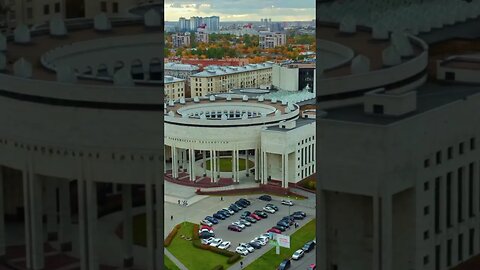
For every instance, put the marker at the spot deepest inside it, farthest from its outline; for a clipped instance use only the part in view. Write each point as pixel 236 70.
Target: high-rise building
pixel 182 24
pixel 181 39
pixel 201 36
pixel 195 22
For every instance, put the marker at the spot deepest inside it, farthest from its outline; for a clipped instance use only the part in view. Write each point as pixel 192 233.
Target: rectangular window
pixel 57 7
pixel 29 13
pixel 471 241
pixel 449 252
pixel 46 9
pixel 470 190
pixel 115 7
pixel 460 194
pixel 426 163
pixel 426 186
pixel 426 211
pixel 472 143
pixel 425 260
pixel 449 199
pixel 450 152
pixel 439 157
pixel 378 109
pixel 103 6
pixel 438 257
pixel 426 235
pixel 461 148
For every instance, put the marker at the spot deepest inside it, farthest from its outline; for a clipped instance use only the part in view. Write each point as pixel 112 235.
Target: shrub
pixel 234 258
pixel 195 235
pixel 218 267
pixel 171 235
pixel 223 252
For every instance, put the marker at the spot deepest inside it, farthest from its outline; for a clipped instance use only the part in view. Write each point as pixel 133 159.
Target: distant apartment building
pixel 181 39
pixel 174 88
pixel 179 70
pixel 195 22
pixel 217 79
pixel 294 76
pixel 211 23
pixel 201 36
pixel 201 63
pixel 272 39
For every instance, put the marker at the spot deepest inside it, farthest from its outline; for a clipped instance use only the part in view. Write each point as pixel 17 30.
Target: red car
pixel 312 267
pixel 255 216
pixel 206 227
pixel 274 230
pixel 234 228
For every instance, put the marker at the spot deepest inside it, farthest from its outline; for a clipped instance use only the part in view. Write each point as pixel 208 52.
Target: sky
pixel 242 10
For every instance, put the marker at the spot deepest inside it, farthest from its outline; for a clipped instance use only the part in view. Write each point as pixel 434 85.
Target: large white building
pixel 295 76
pixel 271 39
pixel 277 138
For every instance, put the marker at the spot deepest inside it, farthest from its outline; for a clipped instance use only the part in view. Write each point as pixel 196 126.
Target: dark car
pixel 205 235
pixel 308 246
pixel 234 228
pixel 234 208
pixel 250 219
pixel 281 228
pixel 245 201
pixel 261 214
pixel 283 224
pixel 240 205
pixel 285 264
pixel 245 214
pixel 289 219
pixel 219 216
pixel 273 206
pixel 265 198
pixel 300 213
pixel 212 219
pixel 297 216
pixel 255 244
pixel 224 212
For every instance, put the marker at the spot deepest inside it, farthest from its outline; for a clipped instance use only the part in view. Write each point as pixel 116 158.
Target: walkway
pixel 174 259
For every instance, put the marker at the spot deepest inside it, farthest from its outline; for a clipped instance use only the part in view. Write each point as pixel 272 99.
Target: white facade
pixel 181 39
pixel 174 88
pixel 272 39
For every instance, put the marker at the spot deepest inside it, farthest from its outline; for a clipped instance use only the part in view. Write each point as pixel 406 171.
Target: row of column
pixel 284 173
pixel 180 158
pixel 59 226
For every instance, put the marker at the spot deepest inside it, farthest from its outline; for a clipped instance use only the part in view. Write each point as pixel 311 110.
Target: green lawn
pixel 270 259
pixel 169 265
pixel 226 164
pixel 194 258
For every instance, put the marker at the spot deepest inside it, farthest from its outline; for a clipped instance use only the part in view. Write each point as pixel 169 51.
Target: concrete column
pixel 376 233
pixel 2 216
pixel 286 171
pixel 150 227
pixel 51 208
pixel 27 217
pixel 237 164
pixel 65 227
pixel 82 224
pixel 386 217
pixel 92 216
pixel 256 164
pixel 204 162
pixel 215 172
pixel 246 163
pixel 174 162
pixel 212 174
pixel 234 176
pixel 127 225
pixel 265 168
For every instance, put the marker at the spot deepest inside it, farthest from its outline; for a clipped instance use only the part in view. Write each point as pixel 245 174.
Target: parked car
pixel 265 198
pixel 245 214
pixel 287 202
pixel 297 255
pixel 238 224
pixel 273 206
pixel 207 241
pixel 283 224
pixel 297 216
pixel 264 238
pixel 216 242
pixel 206 222
pixel 280 228
pixel 300 213
pixel 261 214
pixel 245 222
pixel 219 216
pixel 255 216
pixel 268 209
pixel 205 235
pixel 234 228
pixel 308 246
pixel 206 227
pixel 312 267
pixel 224 245
pixel 204 230
pixel 248 247
pixel 289 219
pixel 260 240
pixel 255 244
pixel 211 219
pixel 284 265
pixel 250 219
pixel 242 251
pixel 245 201
pixel 241 203
pixel 231 212
pixel 233 208
pixel 274 230
pixel 225 213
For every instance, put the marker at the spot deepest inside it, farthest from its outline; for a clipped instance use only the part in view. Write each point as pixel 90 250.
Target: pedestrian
pixel 241 265
pixel 221 198
pixel 171 217
pixel 178 202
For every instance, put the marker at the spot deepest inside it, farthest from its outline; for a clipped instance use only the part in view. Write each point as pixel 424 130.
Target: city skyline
pixel 249 10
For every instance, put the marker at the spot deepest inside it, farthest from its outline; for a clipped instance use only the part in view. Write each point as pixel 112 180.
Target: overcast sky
pixel 242 10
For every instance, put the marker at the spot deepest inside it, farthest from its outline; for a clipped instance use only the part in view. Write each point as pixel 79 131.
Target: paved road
pixel 304 262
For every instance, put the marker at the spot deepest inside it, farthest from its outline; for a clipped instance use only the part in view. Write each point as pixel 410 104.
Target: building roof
pixel 300 122
pixel 429 97
pixel 171 79
pixel 180 66
pixel 212 71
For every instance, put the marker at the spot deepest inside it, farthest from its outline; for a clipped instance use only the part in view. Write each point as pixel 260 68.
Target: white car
pixel 260 240
pixel 229 211
pixel 298 254
pixel 247 247
pixel 204 230
pixel 264 238
pixel 287 202
pixel 237 223
pixel 241 250
pixel 268 209
pixel 224 245
pixel 206 222
pixel 245 222
pixel 215 242
pixel 207 241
